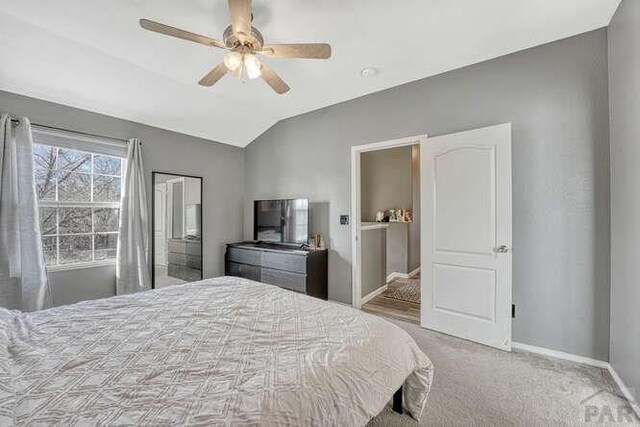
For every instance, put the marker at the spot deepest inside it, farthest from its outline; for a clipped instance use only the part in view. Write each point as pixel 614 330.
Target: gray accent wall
pixel 374 254
pixel 624 86
pixel 397 248
pixel 385 181
pixel 555 96
pixel 221 166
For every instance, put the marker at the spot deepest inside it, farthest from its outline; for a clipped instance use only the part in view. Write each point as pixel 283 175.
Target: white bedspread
pixel 223 351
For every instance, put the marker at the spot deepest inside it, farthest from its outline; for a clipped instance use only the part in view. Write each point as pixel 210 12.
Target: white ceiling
pixel 93 55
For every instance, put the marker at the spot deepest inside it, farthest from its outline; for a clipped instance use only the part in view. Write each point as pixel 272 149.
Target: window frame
pixel 94 146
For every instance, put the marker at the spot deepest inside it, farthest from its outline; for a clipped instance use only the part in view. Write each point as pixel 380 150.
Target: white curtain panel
pixel 23 276
pixel 132 266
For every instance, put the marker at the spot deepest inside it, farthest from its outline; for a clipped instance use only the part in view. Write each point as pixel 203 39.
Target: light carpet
pixel 480 385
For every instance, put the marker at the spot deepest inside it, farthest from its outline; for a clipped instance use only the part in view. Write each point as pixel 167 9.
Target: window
pixel 79 202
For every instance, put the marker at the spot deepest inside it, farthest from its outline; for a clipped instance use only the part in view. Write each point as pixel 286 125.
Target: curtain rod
pixel 17 123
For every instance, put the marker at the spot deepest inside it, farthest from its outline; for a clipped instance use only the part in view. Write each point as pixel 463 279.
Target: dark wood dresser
pixel 293 268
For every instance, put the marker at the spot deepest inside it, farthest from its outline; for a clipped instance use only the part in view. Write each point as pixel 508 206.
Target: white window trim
pixel 78 141
pixel 80 266
pixel 91 145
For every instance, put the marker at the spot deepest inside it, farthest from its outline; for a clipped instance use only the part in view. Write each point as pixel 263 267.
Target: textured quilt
pixel 223 351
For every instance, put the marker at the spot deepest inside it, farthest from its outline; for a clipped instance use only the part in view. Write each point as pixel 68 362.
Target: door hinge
pixel 513 311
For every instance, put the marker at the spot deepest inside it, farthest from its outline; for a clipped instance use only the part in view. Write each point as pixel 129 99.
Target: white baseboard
pixel 586 361
pixel 625 390
pixel 365 299
pixel 560 355
pixel 396 275
pixel 339 302
pixel 391 277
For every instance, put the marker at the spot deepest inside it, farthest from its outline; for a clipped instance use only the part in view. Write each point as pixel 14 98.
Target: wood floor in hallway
pixel 386 306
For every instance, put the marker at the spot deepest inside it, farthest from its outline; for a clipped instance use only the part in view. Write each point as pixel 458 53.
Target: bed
pixel 219 351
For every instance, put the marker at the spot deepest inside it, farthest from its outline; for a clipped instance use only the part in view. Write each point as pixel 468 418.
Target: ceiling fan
pixel 243 42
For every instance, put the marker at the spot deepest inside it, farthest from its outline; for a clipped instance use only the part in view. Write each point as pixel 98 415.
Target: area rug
pixel 409 292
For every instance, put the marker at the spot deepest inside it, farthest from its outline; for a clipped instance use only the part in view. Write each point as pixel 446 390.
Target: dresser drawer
pixel 244 256
pixel 294 263
pixel 250 272
pixel 185 273
pixel 292 281
pixel 232 269
pixel 288 267
pixel 194 261
pixel 194 248
pixel 176 258
pixel 179 246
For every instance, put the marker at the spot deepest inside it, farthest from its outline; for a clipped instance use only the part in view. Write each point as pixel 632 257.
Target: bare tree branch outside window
pixel 79 198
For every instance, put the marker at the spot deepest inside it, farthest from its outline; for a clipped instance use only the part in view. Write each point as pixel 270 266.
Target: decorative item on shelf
pixel 406 215
pixel 380 216
pixel 400 215
pixel 316 241
pixel 321 244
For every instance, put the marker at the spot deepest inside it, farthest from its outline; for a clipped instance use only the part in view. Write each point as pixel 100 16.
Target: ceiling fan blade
pixel 167 30
pixel 274 80
pixel 300 50
pixel 240 11
pixel 214 75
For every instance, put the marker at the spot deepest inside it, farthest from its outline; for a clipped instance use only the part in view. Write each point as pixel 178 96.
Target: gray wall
pixel 221 166
pixel 624 81
pixel 556 98
pixel 374 254
pixel 69 286
pixel 397 248
pixel 385 181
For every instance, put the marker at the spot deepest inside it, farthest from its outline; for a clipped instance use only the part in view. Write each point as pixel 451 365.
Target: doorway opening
pixel 465 215
pixel 387 222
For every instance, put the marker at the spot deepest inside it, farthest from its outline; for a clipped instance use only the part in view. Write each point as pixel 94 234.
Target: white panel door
pixel 466 235
pixel 160 224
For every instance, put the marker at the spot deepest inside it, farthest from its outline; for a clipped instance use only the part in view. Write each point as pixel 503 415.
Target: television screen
pixel 281 221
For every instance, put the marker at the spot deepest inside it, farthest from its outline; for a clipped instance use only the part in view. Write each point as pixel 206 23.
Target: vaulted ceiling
pixel 93 55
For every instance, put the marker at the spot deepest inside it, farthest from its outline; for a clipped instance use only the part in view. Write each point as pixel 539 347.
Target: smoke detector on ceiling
pixel 368 72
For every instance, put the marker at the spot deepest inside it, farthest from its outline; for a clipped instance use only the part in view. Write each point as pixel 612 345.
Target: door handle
pixel 502 249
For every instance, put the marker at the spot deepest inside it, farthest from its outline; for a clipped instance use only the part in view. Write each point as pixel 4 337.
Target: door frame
pixel 356 249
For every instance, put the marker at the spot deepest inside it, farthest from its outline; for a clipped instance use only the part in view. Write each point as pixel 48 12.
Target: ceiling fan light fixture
pixel 244 42
pixel 233 60
pixel 253 66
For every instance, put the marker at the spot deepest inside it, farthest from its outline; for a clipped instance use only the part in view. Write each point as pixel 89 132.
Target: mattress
pixel 224 351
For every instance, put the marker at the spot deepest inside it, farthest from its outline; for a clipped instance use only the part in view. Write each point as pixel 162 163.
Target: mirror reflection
pixel 177 229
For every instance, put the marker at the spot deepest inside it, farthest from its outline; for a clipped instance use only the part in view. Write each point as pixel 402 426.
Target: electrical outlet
pixel 344 219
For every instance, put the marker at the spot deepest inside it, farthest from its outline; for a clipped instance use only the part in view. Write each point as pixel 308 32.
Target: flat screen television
pixel 281 221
